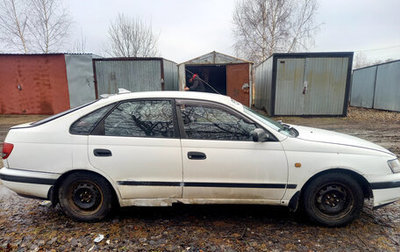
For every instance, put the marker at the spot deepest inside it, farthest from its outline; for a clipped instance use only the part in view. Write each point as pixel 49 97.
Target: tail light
pixel 7 149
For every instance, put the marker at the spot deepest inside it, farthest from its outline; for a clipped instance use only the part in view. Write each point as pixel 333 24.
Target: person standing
pixel 195 84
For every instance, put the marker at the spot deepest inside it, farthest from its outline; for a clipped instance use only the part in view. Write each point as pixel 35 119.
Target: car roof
pixel 171 94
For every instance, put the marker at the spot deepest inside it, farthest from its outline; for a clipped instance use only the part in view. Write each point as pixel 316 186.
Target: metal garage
pixel 134 74
pixel 44 83
pixel 226 75
pixel 304 83
pixel 377 86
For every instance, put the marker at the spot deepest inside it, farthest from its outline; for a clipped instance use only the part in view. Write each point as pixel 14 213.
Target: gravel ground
pixel 27 225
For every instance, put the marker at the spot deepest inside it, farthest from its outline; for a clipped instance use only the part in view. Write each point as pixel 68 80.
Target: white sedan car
pixel 160 148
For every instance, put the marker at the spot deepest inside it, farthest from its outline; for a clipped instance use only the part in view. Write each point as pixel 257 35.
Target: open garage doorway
pixel 214 75
pixel 226 74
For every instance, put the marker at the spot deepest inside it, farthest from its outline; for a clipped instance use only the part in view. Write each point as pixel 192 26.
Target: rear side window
pixel 86 123
pixel 142 118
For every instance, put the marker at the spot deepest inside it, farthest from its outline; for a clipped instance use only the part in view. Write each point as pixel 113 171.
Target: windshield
pixel 284 129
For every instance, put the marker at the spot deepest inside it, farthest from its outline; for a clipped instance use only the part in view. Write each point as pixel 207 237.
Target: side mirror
pixel 260 135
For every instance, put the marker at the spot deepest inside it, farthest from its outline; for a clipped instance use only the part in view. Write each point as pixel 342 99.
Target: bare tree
pixel 33 25
pixel 262 27
pixel 130 37
pixel 79 45
pixel 381 61
pixel 360 60
pixel 13 25
pixel 49 25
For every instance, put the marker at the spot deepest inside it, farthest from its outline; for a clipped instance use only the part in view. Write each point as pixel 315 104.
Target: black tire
pixel 85 197
pixel 333 199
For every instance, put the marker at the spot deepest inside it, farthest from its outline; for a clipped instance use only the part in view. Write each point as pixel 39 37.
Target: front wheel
pixel 333 199
pixel 85 197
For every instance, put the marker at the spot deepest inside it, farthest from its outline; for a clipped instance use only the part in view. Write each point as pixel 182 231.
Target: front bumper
pixel 28 183
pixel 386 189
pixel 383 197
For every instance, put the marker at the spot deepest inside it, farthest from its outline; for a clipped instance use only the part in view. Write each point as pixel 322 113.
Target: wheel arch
pixel 53 192
pixel 365 186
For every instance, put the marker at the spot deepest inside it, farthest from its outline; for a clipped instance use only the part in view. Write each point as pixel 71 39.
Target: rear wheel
pixel 85 197
pixel 333 199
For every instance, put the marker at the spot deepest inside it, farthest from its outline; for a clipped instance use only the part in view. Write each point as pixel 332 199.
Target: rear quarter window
pixel 85 124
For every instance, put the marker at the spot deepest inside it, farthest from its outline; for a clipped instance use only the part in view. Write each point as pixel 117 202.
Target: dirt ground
pixel 27 225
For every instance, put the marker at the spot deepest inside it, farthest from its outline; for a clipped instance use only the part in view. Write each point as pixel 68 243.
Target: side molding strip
pixel 29 180
pixel 206 184
pixel 148 183
pixel 385 185
pixel 45 181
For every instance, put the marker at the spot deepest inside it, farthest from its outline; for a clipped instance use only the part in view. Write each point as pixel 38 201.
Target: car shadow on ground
pixel 181 212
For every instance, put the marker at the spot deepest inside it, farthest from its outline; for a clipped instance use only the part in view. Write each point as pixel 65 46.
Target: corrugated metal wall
pixel 326 78
pixel 80 79
pixel 182 76
pixel 170 75
pixel 377 87
pixel 289 87
pixel 304 84
pixel 134 75
pixel 263 81
pixel 387 92
pixel 363 87
pixel 33 84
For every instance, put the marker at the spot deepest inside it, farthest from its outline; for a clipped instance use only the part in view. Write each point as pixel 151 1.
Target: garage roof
pixel 215 58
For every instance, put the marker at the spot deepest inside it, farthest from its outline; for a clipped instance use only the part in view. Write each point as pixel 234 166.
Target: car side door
pixel 221 162
pixel 137 144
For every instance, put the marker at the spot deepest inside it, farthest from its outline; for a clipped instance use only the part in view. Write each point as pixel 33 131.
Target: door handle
pixel 102 153
pixel 196 155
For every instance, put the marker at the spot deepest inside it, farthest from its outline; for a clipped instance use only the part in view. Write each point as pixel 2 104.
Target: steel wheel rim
pixel 334 199
pixel 85 197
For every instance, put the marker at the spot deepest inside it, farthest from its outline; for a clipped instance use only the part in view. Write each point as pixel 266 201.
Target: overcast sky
pixel 190 28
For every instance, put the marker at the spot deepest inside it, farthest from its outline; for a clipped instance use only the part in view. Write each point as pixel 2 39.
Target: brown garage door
pixel 237 78
pixel 33 84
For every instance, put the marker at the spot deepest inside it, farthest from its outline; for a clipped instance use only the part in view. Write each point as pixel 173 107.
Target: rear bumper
pixel 28 183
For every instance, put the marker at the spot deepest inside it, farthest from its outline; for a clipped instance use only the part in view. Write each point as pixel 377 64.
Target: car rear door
pixel 137 145
pixel 220 160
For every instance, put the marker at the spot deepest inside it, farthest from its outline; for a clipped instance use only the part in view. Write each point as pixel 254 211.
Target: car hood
pixel 326 136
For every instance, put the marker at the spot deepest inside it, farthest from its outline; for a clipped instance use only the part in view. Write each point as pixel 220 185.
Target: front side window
pixel 208 122
pixel 143 118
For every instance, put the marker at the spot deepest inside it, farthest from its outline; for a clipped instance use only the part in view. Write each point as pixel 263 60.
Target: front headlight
pixel 394 165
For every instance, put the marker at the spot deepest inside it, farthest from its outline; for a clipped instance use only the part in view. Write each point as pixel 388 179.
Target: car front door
pixel 137 144
pixel 220 160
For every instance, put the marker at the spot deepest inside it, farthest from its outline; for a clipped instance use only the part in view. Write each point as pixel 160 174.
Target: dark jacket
pixel 196 85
